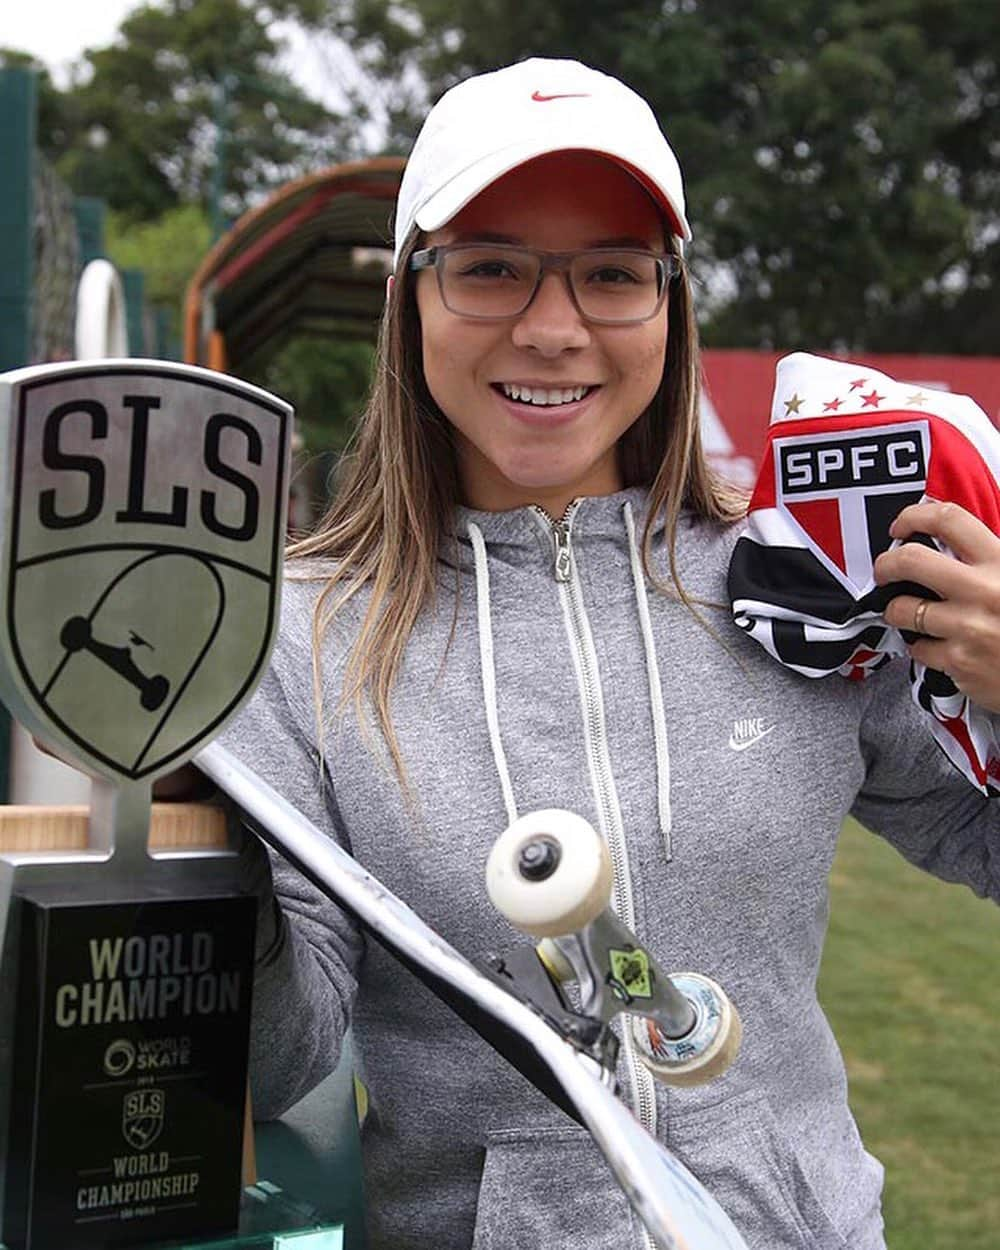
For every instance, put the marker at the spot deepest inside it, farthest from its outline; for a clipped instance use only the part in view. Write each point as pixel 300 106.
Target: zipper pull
pixel 560 532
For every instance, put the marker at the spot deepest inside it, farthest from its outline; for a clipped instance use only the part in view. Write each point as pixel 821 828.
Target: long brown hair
pixel 398 485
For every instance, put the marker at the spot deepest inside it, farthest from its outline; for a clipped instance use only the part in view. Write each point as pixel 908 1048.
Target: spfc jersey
pixel 848 448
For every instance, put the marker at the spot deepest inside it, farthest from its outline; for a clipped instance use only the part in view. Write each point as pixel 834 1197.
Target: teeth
pixel 543 396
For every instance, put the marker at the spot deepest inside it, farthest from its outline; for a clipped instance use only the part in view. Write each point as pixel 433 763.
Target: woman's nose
pixel 552 322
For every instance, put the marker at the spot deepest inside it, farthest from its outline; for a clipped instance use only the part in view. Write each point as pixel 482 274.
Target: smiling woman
pixel 540 396
pixel 522 580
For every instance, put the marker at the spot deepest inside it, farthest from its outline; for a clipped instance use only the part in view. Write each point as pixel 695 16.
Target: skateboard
pixel 549 874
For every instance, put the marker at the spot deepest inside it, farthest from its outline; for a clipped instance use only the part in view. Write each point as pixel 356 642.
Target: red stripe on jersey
pixel 959 730
pixel 957 473
pixel 765 493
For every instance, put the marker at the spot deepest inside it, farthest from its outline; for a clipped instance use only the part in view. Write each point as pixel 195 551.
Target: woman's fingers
pixel 914 614
pixel 960 531
pixel 914 562
pixel 960 631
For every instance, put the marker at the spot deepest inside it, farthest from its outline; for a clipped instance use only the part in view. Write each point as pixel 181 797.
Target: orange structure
pixel 312 259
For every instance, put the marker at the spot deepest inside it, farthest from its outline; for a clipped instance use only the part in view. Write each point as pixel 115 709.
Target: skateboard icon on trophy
pixel 128 632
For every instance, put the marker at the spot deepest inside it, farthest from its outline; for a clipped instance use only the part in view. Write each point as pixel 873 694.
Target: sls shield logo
pixel 842 491
pixel 144 523
pixel 142 1117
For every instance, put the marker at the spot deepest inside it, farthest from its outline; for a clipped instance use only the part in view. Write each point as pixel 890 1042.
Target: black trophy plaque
pixel 131 1043
pixel 142 520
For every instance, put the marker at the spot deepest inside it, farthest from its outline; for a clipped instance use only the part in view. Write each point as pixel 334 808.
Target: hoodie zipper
pixel 570 590
pixel 560 532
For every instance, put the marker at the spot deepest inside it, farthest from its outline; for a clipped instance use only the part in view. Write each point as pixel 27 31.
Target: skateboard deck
pixel 678 1212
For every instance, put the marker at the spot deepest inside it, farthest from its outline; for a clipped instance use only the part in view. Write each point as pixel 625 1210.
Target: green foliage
pixel 326 381
pixel 840 158
pixel 167 250
pixel 188 89
pixel 909 983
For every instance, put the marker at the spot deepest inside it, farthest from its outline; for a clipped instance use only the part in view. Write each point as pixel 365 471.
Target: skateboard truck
pixel 550 874
pixel 77 635
pixel 524 973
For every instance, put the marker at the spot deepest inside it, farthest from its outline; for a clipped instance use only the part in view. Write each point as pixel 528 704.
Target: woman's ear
pixel 389 282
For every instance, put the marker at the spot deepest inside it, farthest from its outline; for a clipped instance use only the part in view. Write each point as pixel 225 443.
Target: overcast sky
pixel 57 31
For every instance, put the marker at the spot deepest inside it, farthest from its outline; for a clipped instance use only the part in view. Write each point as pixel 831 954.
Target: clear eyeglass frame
pixel 668 264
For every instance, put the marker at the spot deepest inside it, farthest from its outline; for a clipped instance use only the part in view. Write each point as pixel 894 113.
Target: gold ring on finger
pixel 919 615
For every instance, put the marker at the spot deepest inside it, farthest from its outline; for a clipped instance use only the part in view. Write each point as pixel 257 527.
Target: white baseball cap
pixel 486 126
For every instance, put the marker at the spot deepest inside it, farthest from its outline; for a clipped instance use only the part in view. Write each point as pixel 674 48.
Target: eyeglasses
pixel 493 281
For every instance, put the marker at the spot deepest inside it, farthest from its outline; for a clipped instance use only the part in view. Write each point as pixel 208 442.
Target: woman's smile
pixel 547 404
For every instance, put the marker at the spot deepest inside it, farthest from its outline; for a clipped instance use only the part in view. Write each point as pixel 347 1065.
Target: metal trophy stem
pixel 142 530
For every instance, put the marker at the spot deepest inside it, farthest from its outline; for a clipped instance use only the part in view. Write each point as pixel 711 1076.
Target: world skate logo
pixel 144 527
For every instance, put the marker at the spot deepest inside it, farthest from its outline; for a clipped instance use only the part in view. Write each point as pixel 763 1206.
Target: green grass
pixel 911 983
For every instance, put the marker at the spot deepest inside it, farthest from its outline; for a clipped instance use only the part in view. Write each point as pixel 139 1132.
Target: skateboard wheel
pixel 75 634
pixel 154 692
pixel 549 873
pixel 706 1050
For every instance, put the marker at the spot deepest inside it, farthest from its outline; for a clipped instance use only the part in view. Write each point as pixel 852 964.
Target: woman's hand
pixel 184 785
pixel 963 629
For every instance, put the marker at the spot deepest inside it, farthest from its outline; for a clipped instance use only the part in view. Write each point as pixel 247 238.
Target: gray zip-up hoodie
pixel 719 779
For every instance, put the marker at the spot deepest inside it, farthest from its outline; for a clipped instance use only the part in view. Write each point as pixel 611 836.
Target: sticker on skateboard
pixel 629 976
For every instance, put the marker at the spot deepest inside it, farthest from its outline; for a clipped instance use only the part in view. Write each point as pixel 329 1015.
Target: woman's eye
pixel 489 269
pixel 612 275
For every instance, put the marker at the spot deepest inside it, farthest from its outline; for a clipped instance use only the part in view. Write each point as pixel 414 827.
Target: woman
pixel 515 602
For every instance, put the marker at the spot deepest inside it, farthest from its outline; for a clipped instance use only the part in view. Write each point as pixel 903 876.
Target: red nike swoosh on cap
pixel 567 95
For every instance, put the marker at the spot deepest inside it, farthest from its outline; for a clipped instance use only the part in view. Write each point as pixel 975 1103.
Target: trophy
pixel 140 554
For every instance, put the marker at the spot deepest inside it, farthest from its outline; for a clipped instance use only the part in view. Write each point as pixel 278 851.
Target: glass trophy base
pixel 270 1219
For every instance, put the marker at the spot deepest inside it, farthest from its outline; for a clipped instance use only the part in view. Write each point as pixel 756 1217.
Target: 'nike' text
pixel 747 731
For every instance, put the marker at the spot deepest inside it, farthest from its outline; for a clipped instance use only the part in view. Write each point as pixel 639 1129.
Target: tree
pixel 188 82
pixel 138 127
pixel 326 380
pixel 840 157
pixel 167 250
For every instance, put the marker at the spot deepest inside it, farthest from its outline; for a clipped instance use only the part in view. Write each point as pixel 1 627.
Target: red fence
pixel 738 386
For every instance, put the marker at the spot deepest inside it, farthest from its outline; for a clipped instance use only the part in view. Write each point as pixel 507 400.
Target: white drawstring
pixel 488 671
pixel 487 667
pixel 655 690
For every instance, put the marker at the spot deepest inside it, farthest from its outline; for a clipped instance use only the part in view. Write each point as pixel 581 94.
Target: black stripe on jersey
pixel 793 578
pixel 935 685
pixel 881 511
pixel 793 647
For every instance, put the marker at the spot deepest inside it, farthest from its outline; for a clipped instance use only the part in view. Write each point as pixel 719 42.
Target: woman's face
pixel 512 452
